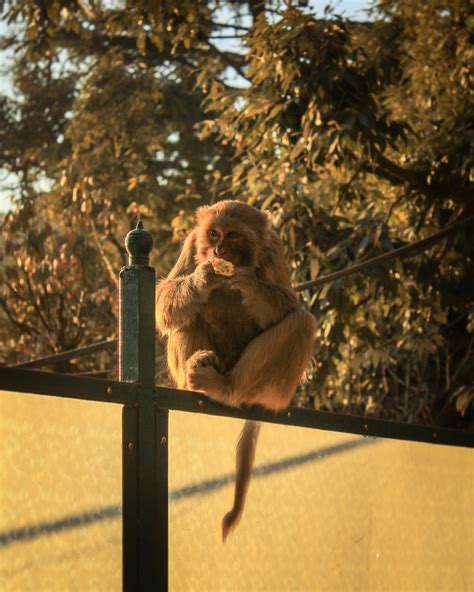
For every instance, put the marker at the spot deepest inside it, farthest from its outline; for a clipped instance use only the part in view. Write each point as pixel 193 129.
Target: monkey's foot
pixel 209 381
pixel 203 358
pixel 203 368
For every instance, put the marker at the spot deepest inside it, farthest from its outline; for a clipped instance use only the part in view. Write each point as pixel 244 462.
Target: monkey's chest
pixel 228 323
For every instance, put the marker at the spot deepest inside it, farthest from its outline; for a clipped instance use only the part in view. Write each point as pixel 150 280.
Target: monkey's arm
pixel 268 303
pixel 267 293
pixel 178 299
pixel 176 303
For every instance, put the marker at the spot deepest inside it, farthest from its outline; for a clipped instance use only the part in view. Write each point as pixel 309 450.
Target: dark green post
pixel 144 428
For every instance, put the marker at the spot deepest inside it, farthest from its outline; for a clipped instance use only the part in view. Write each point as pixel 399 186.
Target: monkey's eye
pixel 232 234
pixel 213 233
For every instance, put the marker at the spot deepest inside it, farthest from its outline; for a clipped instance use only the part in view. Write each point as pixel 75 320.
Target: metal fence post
pixel 144 428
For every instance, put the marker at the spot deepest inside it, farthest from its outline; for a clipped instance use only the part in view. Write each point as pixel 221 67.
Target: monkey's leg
pixel 269 369
pixel 183 345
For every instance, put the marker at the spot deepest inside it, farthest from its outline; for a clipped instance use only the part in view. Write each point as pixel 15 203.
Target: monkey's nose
pixel 219 251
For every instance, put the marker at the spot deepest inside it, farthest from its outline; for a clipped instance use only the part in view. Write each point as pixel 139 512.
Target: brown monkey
pixel 241 339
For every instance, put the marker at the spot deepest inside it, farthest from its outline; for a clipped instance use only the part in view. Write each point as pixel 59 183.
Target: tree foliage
pixel 355 135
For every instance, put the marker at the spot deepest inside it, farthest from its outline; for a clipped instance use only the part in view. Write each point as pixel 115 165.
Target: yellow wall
pixel 382 516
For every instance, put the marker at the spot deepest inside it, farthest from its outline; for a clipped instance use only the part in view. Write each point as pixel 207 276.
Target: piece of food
pixel 222 267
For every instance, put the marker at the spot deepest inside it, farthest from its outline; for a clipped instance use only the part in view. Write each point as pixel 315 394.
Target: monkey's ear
pixel 269 219
pixel 200 214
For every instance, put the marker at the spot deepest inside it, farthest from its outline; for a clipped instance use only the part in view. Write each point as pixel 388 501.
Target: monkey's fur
pixel 242 339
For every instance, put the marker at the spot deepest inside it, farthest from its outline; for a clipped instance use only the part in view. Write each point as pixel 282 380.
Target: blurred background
pixel 350 122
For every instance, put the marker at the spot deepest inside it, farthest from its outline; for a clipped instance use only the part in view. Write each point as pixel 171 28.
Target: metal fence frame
pixel 145 420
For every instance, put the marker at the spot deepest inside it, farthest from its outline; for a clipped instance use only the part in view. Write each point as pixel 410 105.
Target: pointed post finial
pixel 139 243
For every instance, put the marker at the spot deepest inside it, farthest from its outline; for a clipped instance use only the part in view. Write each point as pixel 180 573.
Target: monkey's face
pixel 231 230
pixel 232 243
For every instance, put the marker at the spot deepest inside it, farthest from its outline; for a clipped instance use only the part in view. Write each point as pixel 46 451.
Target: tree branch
pixel 398 175
pixel 103 257
pixel 229 26
pixel 257 8
pixel 22 326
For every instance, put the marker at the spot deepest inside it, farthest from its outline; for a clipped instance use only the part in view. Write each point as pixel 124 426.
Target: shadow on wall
pixel 201 488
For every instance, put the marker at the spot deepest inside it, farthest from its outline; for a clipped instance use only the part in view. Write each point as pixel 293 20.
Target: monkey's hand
pixel 244 279
pixel 268 303
pixel 205 279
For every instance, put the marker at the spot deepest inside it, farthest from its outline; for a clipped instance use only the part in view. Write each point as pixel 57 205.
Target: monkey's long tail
pixel 245 456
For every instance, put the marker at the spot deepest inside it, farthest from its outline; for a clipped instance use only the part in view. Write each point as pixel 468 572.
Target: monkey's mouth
pixel 237 259
pixel 221 253
pixel 226 255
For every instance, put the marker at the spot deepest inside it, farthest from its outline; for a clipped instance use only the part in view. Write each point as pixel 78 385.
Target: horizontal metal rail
pixel 70 354
pixel 67 385
pixel 126 393
pixel 178 400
